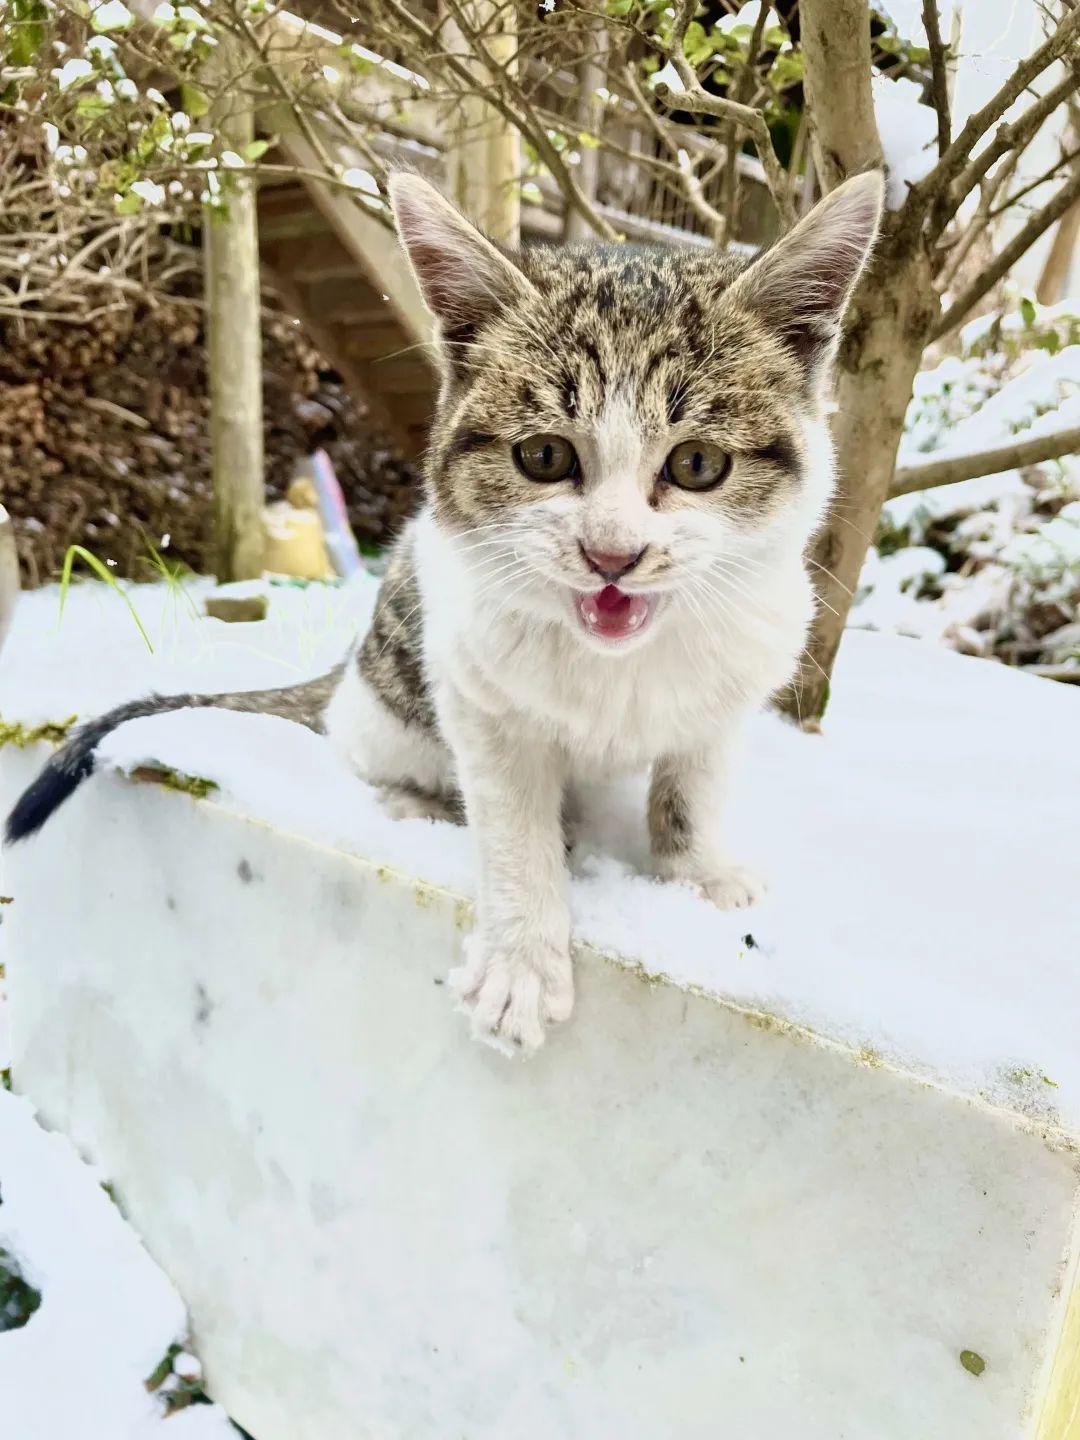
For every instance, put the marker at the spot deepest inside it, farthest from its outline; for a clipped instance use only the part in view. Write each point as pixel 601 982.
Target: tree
pixel 622 111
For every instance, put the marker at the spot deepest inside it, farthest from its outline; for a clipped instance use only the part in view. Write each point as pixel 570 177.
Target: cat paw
pixel 511 997
pixel 734 887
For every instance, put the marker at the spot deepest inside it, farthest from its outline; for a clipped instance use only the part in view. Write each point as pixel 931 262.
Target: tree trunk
pixel 889 324
pixel 234 343
pixel 1055 275
pixel 840 105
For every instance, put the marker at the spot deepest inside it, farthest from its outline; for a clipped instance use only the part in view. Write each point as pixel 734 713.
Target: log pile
pixel 104 437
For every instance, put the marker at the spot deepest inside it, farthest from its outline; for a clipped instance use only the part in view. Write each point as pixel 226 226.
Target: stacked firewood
pixel 104 437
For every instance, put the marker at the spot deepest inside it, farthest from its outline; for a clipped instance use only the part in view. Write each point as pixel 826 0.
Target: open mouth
pixel 612 614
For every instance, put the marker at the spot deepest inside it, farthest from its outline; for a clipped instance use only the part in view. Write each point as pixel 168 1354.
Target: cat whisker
pixel 826 571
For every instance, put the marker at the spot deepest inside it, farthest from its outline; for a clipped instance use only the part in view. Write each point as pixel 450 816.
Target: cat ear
pixel 463 277
pixel 801 286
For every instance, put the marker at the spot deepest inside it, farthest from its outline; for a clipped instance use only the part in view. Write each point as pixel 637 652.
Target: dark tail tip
pixel 60 778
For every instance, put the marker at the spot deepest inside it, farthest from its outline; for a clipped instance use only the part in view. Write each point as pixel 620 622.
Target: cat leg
pixel 686 804
pixel 518 976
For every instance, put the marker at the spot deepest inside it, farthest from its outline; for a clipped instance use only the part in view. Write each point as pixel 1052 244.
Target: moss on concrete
pixel 196 785
pixel 53 732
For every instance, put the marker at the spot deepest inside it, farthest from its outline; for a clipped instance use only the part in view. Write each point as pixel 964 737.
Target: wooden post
pixel 484 155
pixel 592 76
pixel 234 343
pixel 9 574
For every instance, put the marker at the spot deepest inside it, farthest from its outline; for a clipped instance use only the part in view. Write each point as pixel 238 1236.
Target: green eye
pixel 546 457
pixel 696 465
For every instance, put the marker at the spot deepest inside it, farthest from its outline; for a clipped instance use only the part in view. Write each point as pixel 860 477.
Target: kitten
pixel 629 454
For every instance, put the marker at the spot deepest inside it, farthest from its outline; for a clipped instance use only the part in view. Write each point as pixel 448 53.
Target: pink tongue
pixel 612 613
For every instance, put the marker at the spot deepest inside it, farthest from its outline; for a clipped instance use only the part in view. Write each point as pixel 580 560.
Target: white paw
pixel 734 887
pixel 513 994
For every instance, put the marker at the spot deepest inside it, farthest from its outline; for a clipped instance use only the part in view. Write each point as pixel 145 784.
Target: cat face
pixel 624 432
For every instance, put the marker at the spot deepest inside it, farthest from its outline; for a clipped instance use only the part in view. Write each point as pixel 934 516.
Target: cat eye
pixel 546 457
pixel 696 465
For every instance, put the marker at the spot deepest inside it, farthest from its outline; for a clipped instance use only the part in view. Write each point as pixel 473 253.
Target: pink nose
pixel 611 567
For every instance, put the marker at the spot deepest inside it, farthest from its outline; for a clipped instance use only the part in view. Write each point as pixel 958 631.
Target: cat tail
pixel 75 760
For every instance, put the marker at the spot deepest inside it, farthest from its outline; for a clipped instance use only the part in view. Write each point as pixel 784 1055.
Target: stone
pixel 242 609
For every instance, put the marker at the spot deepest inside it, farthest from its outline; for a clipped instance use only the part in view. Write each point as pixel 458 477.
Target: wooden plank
pixel 374 247
pixel 307 259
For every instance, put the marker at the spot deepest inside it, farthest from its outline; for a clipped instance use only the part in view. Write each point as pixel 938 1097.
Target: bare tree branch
pixel 691 185
pixel 950 165
pixel 1021 242
pixel 1063 161
pixel 1009 138
pixel 695 99
pixel 932 24
pixel 1014 456
pixel 535 133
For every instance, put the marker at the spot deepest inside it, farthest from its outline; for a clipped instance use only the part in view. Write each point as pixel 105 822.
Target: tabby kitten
pixel 629 455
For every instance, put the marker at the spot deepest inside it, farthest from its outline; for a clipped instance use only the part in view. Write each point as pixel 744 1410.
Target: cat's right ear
pixel 463 277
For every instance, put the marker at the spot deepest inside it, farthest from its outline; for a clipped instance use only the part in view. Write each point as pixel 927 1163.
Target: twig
pixel 1006 258
pixel 1009 138
pixel 922 195
pixel 109 407
pixel 695 99
pixel 1069 158
pixel 940 82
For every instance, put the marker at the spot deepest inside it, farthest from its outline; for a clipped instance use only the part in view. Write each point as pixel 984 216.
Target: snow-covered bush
pixel 990 565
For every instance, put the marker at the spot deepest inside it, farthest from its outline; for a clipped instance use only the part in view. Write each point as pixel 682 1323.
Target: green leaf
pixel 256 150
pixel 27 34
pixel 619 8
pixel 1027 311
pixel 590 142
pixel 129 204
pixel 92 107
pixel 193 101
pixel 697 46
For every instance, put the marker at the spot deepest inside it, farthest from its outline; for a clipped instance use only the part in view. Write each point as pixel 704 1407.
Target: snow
pixel 922 851
pixel 107 1315
pixel 908 131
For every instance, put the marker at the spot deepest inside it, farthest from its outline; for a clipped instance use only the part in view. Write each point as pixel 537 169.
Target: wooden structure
pixel 338 266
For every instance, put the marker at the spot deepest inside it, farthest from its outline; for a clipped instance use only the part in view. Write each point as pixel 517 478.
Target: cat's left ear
pixel 463 277
pixel 801 286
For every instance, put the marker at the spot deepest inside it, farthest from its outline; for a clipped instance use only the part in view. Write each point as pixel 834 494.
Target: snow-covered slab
pixel 810 1169
pixel 108 1320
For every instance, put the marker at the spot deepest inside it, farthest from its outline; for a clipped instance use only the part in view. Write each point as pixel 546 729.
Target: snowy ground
pixel 108 1321
pixel 102 1355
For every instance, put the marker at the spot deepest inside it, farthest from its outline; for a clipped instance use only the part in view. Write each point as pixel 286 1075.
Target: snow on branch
pixel 1013 456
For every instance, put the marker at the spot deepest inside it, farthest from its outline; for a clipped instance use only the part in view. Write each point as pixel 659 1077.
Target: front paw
pixel 733 888
pixel 512 993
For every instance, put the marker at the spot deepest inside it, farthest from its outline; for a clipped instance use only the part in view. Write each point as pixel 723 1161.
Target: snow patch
pixel 107 1314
